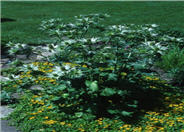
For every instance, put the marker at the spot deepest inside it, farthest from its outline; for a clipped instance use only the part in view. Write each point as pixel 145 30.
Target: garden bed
pixel 94 77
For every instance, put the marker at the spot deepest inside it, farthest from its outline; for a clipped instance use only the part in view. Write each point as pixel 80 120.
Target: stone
pixel 5 111
pixel 4 66
pixel 33 57
pixel 21 57
pixel 5 60
pixel 36 87
pixel 4 78
pixel 6 128
pixel 16 96
pixel 47 54
pixel 39 57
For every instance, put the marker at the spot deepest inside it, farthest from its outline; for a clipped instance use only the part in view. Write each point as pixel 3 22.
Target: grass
pixel 28 16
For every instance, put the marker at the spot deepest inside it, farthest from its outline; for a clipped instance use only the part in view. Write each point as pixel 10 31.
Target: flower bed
pixel 102 83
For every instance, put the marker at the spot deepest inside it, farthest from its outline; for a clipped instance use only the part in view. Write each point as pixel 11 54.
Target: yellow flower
pixel 101 69
pixel 123 73
pixel 52 80
pixel 153 87
pixel 137 129
pixel 106 126
pixel 84 66
pixel 28 72
pixel 166 98
pixel 33 113
pixel 20 81
pixel 46 63
pixel 62 123
pixel 69 124
pixel 39 111
pixel 50 70
pixel 50 64
pixel 156 78
pixel 14 86
pixel 31 118
pixel 46 117
pixel 80 129
pixel 161 129
pixel 100 123
pixel 50 122
pixel 35 96
pixel 100 119
pixel 49 107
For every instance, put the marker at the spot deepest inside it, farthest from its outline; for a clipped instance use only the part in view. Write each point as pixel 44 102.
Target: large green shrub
pixel 109 73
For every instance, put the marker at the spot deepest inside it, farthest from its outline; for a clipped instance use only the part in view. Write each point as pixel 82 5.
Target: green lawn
pixel 28 16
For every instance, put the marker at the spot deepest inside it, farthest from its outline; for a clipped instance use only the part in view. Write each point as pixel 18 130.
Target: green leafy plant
pixel 18 48
pixel 172 59
pixel 173 62
pixel 5 97
pixel 110 67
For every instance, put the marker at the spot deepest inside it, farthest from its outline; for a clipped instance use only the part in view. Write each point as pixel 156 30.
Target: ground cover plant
pixel 97 82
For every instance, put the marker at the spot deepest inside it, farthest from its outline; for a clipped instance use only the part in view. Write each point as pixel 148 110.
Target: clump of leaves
pixel 106 71
pixel 173 62
pixel 18 48
pixel 172 59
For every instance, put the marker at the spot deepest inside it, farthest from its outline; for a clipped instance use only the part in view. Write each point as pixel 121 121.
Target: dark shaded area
pixel 7 20
pixel 4 49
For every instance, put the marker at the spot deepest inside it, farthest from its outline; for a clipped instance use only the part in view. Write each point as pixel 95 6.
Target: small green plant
pixel 5 97
pixel 18 48
pixel 173 62
pixel 172 59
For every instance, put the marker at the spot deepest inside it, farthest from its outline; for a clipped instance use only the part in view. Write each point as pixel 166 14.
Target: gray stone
pixel 39 57
pixel 33 57
pixel 16 96
pixel 36 87
pixel 5 66
pixel 162 74
pixel 4 78
pixel 21 57
pixel 6 128
pixel 47 54
pixel 5 60
pixel 5 111
pixel 27 61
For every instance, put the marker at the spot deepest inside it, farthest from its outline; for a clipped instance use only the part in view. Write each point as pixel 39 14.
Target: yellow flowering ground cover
pixel 41 111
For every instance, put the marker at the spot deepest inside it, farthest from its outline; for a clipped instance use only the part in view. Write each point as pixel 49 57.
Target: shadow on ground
pixel 7 20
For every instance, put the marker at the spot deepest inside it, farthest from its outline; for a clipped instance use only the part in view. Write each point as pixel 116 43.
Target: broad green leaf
pixel 112 76
pixel 108 92
pixel 125 113
pixel 78 114
pixel 113 111
pixel 92 85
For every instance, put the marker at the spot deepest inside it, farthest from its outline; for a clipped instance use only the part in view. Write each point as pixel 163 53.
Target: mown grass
pixel 28 16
